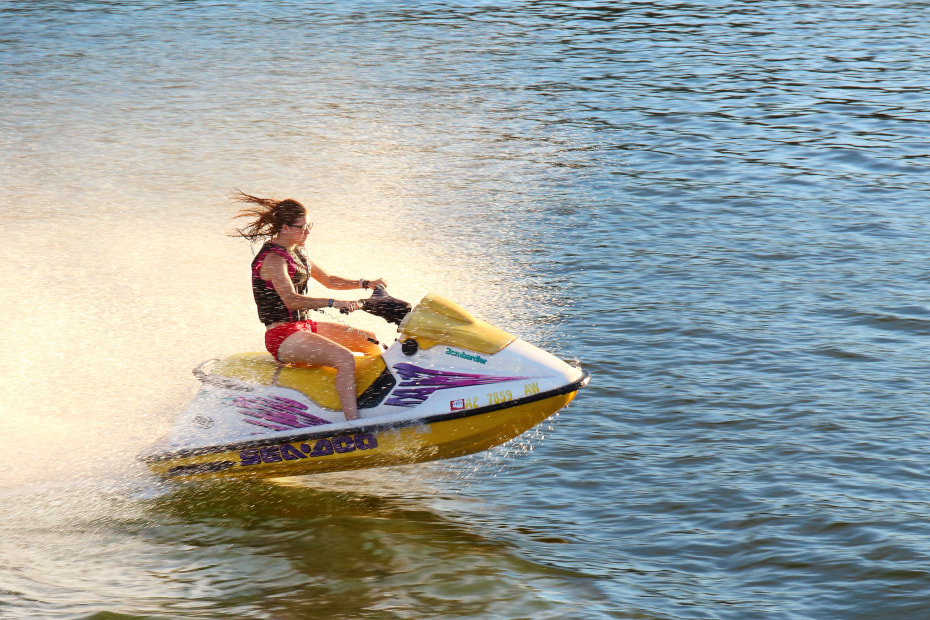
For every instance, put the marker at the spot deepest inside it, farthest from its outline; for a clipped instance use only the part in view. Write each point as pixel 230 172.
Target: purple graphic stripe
pixel 271 416
pixel 275 402
pixel 271 426
pixel 289 414
pixel 285 416
pixel 299 409
pixel 420 383
pixel 278 411
pixel 285 403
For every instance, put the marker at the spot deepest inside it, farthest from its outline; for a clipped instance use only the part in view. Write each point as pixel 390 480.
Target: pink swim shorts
pixel 275 336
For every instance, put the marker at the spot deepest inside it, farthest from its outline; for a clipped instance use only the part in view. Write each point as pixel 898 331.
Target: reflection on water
pixel 259 550
pixel 398 554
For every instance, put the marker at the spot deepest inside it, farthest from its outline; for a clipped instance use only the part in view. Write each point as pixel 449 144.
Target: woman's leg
pixel 310 348
pixel 349 337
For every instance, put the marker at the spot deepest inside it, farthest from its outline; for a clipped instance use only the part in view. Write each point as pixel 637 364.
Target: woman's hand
pixel 347 306
pixel 373 284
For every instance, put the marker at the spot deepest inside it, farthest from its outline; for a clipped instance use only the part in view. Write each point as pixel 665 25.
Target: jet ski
pixel 448 386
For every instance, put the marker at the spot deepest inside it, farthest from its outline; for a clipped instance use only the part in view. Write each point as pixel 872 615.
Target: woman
pixel 280 272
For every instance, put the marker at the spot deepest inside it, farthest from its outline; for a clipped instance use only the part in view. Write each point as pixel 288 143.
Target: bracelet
pixel 363 283
pixel 331 303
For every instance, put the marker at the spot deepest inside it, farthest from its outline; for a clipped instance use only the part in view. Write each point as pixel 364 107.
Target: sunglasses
pixel 305 228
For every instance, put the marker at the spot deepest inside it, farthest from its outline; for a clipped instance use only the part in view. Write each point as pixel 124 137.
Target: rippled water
pixel 718 208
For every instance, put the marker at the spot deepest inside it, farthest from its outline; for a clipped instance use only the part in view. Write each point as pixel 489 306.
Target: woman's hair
pixel 268 215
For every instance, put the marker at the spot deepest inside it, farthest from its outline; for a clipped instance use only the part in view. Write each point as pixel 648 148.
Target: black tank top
pixel 271 308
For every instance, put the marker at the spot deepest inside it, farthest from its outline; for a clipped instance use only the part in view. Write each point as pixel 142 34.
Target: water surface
pixel 717 208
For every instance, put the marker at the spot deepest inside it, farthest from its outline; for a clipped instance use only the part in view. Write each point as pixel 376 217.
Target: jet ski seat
pixel 317 382
pixel 434 321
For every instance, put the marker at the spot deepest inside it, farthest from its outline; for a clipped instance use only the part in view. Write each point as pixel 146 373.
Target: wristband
pixel 331 303
pixel 363 283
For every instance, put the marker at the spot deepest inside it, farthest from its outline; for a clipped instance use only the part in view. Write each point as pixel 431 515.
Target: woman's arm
pixel 341 284
pixel 274 269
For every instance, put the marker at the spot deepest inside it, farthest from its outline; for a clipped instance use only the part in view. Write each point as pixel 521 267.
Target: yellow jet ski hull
pixel 369 445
